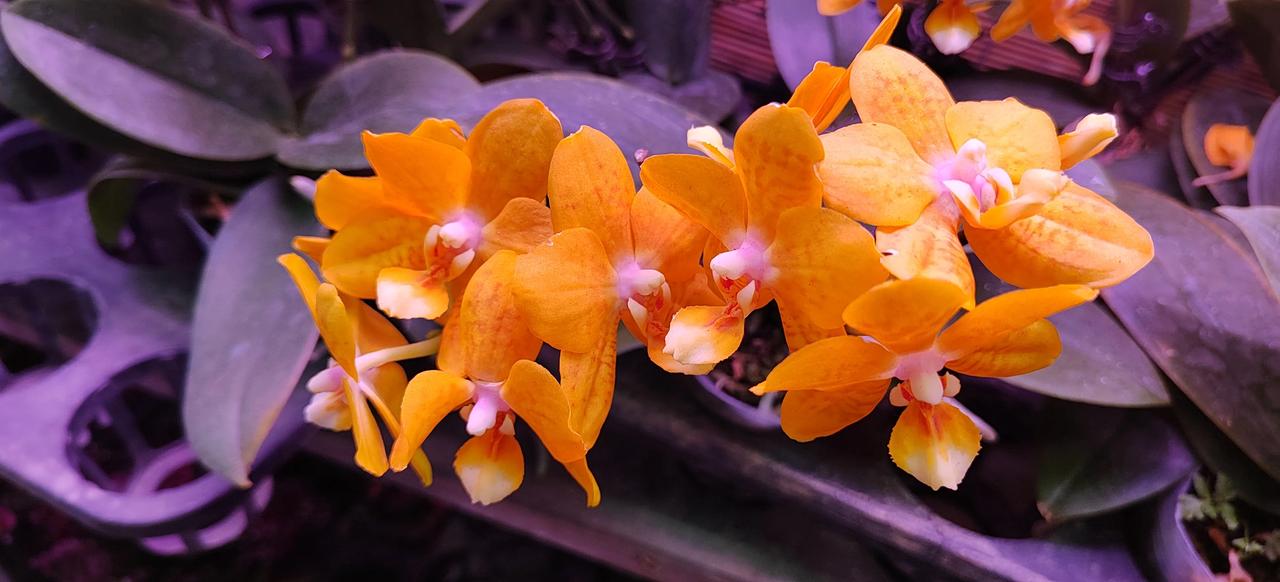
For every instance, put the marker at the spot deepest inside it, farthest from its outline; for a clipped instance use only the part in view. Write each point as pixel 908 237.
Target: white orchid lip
pixel 748 260
pixel 635 282
pixel 921 370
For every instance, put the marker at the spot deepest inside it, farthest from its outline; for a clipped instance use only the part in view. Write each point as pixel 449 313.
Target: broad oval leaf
pixel 153 74
pixel 1213 106
pixel 801 37
pixel 1205 313
pixel 1264 169
pixel 1261 226
pixel 384 92
pixel 251 334
pixel 637 120
pixel 1219 453
pixel 1098 460
pixel 1197 196
pixel 1100 362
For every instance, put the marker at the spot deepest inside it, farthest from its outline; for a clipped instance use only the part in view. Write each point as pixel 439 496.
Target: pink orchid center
pixel 488 404
pixel 741 272
pixel 969 178
pixel 921 379
pixel 451 247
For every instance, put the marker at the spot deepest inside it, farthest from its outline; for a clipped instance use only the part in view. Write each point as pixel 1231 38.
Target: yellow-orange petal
pixel 341 198
pixel 708 140
pixel 408 294
pixel 567 290
pixel 928 248
pixel 994 319
pixel 336 328
pixel 510 151
pixel 821 260
pixel 707 192
pixel 536 398
pixel 800 331
pixel 373 331
pixel 429 397
pixel 831 364
pixel 1018 138
pixel 1037 188
pixel 522 225
pixel 581 473
pixel 1022 351
pixel 588 379
pixel 834 7
pixel 445 131
pixel 312 246
pixel 934 443
pixel 591 187
pixel 495 332
pixel 704 334
pixel 665 239
pixel 371 453
pixel 1091 135
pixel 1019 14
pixel 810 414
pixel 905 315
pixel 303 278
pixel 776 150
pixel 424 175
pixel 952 26
pixel 1078 237
pixel 490 466
pixel 891 86
pixel 823 94
pixel 872 174
pixel 359 252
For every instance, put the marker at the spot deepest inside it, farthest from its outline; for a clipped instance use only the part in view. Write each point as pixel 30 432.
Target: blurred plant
pixel 1227 145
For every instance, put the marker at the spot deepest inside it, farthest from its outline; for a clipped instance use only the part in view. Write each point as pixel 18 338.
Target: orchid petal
pixel 568 291
pixel 361 250
pixel 495 334
pixel 930 248
pixel 1018 138
pixel 510 150
pixel 891 86
pixel 934 443
pixel 822 260
pixel 776 149
pixel 707 192
pixel 1023 351
pixel 591 187
pixel 994 319
pixel 490 466
pixel 428 399
pixel 426 176
pixel 907 315
pixel 872 174
pixel 837 363
pixel 810 414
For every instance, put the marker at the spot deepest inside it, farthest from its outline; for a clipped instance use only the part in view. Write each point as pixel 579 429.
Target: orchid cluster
pixel 953 25
pixel 514 236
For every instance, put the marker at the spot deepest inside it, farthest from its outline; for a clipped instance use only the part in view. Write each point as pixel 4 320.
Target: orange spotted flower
pixel 439 205
pixel 771 239
pixel 487 370
pixel 364 347
pixel 920 163
pixel 834 382
pixel 1051 20
pixel 617 255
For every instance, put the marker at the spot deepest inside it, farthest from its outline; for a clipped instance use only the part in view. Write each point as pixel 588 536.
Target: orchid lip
pixel 488 405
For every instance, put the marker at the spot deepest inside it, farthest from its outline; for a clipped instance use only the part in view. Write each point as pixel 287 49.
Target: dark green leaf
pixel 1098 460
pixel 635 119
pixel 251 336
pixel 1261 226
pixel 384 92
pixel 1205 313
pixel 153 74
pixel 1209 107
pixel 1100 362
pixel 1264 169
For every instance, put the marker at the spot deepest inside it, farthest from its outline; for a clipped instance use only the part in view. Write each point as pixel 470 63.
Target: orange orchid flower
pixel 834 382
pixel 1230 146
pixel 617 255
pixel 439 206
pixel 953 26
pixel 920 163
pixel 364 347
pixel 771 237
pixel 487 370
pixel 1051 20
pixel 836 7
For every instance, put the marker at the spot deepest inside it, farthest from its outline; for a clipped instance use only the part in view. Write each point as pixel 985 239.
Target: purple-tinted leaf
pixel 1163 542
pixel 1261 226
pixel 1257 24
pixel 676 35
pixel 383 92
pixel 1264 169
pixel 251 335
pixel 1197 196
pixel 714 95
pixel 1226 106
pixel 1219 453
pixel 1100 362
pixel 801 37
pixel 153 74
pixel 1091 175
pixel 1101 459
pixel 1205 313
